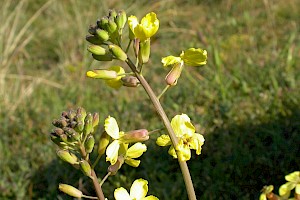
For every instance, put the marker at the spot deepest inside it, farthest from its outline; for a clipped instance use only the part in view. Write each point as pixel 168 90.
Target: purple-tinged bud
pixel 58 131
pixel 70 190
pixel 92 29
pixel 174 74
pixel 113 169
pixel 135 136
pixel 59 123
pixel 130 81
pixel 86 168
pixel 67 156
pixel 117 52
pixel 81 114
pixel 88 124
pixel 71 114
pixel 136 46
pixel 95 119
pixel 93 39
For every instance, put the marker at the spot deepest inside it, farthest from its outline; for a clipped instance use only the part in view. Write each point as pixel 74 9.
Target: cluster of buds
pixel 74 136
pixel 107 29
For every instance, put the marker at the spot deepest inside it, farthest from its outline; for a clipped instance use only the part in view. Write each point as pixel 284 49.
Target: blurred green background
pixel 245 100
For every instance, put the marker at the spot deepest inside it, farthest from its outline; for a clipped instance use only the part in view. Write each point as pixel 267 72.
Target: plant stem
pixel 89 197
pixel 183 165
pixel 105 177
pixel 97 186
pixel 163 92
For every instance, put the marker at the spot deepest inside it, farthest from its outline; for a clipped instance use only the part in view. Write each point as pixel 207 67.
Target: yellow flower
pixel 112 75
pixel 146 29
pixel 293 182
pixel 138 191
pixel 119 146
pixel 187 138
pixel 267 190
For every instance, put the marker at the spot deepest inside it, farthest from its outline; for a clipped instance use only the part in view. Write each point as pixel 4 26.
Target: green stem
pixel 183 165
pixel 163 92
pixel 127 48
pixel 96 161
pixel 105 177
pixel 89 197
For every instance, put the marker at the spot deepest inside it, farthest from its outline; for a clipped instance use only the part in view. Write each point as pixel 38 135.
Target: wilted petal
pixel 183 152
pixel 172 152
pixel 194 57
pixel 163 140
pixel 121 194
pixel 136 150
pixel 112 152
pixel 139 189
pixel 182 125
pixel 170 61
pixel 196 143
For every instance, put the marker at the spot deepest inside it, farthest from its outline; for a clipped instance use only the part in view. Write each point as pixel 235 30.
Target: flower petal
pixel 297 190
pixel 132 162
pixel 139 189
pixel 116 83
pixel 293 177
pixel 111 127
pixel 132 22
pixel 112 152
pixel 172 152
pixel 151 197
pixel 194 57
pixel 196 142
pixel 285 190
pixel 263 197
pixel 183 151
pixel 171 60
pixel 136 150
pixel 121 194
pixel 163 140
pixel 182 125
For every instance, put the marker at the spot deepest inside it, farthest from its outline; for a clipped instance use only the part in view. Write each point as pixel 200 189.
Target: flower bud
pixel 70 190
pixel 80 114
pixel 72 133
pixel 112 13
pixel 79 127
pixel 130 81
pixel 86 168
pixel 102 34
pixel 71 114
pixel 103 22
pixel 89 144
pixel 174 74
pixel 110 27
pixel 58 131
pixel 121 19
pixel 93 39
pixel 144 51
pixel 92 29
pixel 59 123
pixel 95 119
pixel 135 136
pixel 107 57
pixel 67 156
pixel 103 143
pixel 102 74
pixel 88 124
pixel 97 50
pixel 117 52
pixel 56 140
pixel 113 169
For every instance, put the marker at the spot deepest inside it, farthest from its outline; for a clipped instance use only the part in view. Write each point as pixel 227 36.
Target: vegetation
pixel 245 101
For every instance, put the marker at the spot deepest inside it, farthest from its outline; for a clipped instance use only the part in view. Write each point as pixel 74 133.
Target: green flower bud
pixel 102 23
pixel 97 50
pixel 102 74
pixel 144 51
pixel 102 34
pixel 71 114
pixel 135 136
pixel 81 114
pixel 174 74
pixel 130 81
pixel 67 156
pixel 117 52
pixel 103 143
pixel 93 39
pixel 88 124
pixel 79 127
pixel 72 133
pixel 113 169
pixel 70 190
pixel 121 19
pixel 112 13
pixel 111 26
pixel 92 29
pixel 64 138
pixel 89 144
pixel 60 123
pixel 95 119
pixel 86 168
pixel 57 140
pixel 106 57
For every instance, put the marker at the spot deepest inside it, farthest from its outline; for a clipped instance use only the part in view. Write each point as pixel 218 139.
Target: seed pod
pixel 70 190
pixel 97 50
pixel 89 144
pixel 67 156
pixel 86 168
pixel 117 52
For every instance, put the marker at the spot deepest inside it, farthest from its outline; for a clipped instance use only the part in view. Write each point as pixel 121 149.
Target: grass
pixel 245 101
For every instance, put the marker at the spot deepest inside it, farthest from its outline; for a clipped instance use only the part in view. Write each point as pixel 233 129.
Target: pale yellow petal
pixel 284 190
pixel 151 197
pixel 170 61
pixel 112 152
pixel 182 125
pixel 183 153
pixel 172 152
pixel 132 162
pixel 139 189
pixel 136 150
pixel 163 140
pixel 121 194
pixel 297 190
pixel 293 177
pixel 196 142
pixel 111 127
pixel 263 197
